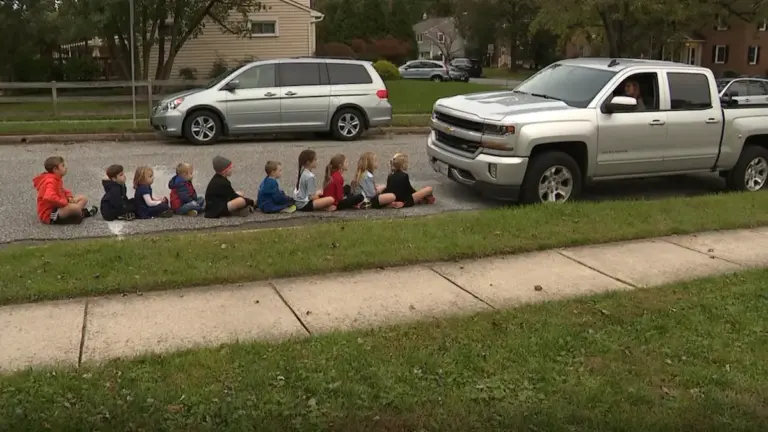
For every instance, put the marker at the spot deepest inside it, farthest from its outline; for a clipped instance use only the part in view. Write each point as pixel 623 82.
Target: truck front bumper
pixel 493 176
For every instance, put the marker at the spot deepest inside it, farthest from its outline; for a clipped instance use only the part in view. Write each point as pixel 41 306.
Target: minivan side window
pixel 262 76
pixel 343 73
pixel 689 91
pixel 299 74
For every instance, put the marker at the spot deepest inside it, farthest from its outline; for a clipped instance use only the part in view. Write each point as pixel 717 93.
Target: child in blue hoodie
pixel 271 198
pixel 184 199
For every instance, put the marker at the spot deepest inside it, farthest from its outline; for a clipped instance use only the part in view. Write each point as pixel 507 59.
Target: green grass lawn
pixel 105 266
pixel 406 96
pixel 56 127
pixel 685 357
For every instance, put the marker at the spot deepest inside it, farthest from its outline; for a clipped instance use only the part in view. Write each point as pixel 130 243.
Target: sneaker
pixel 93 211
pixel 365 205
pixel 192 213
pixel 289 209
pixel 127 217
pixel 166 214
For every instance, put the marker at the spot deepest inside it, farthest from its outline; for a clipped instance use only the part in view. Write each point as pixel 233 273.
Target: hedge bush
pixel 387 70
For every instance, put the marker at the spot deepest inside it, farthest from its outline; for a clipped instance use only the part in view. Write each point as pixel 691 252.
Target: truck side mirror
pixel 620 104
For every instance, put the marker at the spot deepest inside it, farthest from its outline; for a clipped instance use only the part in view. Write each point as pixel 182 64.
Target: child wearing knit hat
pixel 220 198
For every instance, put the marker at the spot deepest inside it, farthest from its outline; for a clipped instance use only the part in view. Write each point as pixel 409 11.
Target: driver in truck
pixel 632 89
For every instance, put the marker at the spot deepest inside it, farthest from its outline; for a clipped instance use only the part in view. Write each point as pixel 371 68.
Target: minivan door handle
pixel 290 93
pixel 657 123
pixel 712 120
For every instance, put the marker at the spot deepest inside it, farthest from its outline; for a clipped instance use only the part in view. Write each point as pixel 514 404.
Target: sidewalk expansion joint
pixel 461 288
pixel 285 302
pixel 706 254
pixel 82 334
pixel 596 270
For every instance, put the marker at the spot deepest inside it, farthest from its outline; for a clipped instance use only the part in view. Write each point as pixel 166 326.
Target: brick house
pixel 729 45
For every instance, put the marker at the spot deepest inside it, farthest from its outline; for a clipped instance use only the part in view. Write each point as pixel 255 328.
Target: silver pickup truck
pixel 593 119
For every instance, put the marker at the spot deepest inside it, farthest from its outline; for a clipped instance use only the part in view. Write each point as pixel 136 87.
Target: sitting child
pixel 55 204
pixel 220 199
pixel 115 204
pixel 148 206
pixel 184 199
pixel 365 184
pixel 271 198
pixel 399 184
pixel 307 197
pixel 333 186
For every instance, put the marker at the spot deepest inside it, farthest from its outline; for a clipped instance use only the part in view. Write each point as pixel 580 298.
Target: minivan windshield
pixel 574 85
pixel 212 83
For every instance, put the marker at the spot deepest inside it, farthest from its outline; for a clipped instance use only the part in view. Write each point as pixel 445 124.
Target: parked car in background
pixel 473 67
pixel 744 91
pixel 458 74
pixel 343 97
pixel 590 119
pixel 425 69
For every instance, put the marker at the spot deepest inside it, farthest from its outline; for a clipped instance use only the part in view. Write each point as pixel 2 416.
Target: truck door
pixel 694 122
pixel 631 143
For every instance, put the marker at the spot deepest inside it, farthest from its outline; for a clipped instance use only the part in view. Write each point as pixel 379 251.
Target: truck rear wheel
pixel 751 171
pixel 552 177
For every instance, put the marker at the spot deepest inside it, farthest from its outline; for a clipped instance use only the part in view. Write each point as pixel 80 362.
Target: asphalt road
pixel 87 162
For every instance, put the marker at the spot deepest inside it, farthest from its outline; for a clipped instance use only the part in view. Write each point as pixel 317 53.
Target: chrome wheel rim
pixel 756 174
pixel 203 128
pixel 556 184
pixel 349 125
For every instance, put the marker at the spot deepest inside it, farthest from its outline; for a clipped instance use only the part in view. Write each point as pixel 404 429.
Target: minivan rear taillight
pixel 382 94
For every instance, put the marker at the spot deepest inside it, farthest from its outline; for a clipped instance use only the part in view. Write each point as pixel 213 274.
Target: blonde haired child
pixel 399 184
pixel 364 184
pixel 147 205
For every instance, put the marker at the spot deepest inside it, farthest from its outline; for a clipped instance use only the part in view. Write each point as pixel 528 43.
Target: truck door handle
pixel 270 94
pixel 657 123
pixel 290 93
pixel 746 100
pixel 712 120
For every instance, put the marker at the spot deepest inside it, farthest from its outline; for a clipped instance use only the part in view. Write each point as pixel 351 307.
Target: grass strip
pixel 682 357
pixel 58 127
pixel 105 266
pixel 406 97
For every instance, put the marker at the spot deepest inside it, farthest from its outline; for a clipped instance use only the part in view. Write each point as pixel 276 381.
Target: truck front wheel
pixel 751 171
pixel 551 177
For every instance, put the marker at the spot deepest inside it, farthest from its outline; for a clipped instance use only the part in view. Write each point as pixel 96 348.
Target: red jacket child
pixel 51 195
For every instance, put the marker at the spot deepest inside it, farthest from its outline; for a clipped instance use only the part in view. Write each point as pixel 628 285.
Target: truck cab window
pixel 689 91
pixel 642 86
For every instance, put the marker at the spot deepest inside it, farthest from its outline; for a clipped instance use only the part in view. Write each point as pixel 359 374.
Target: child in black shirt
pixel 220 199
pixel 399 184
pixel 115 204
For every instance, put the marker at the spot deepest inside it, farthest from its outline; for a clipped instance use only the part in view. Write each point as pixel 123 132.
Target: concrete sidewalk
pixel 97 329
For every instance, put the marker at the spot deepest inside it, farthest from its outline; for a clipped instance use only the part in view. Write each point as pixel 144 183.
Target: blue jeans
pixel 193 205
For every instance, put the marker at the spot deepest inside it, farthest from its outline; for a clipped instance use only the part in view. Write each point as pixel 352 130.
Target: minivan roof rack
pixel 613 63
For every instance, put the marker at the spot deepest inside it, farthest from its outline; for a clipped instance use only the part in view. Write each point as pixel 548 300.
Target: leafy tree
pixel 373 18
pixel 30 34
pixel 162 24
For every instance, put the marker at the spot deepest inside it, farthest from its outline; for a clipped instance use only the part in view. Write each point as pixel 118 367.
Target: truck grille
pixel 457 143
pixel 459 122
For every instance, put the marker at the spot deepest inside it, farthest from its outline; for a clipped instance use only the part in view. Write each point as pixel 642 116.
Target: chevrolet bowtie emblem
pixel 450 129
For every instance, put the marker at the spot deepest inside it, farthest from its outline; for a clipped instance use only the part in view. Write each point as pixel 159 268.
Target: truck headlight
pixel 494 129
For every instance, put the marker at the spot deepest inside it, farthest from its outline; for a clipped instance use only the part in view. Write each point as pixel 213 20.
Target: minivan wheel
pixel 751 171
pixel 347 125
pixel 437 78
pixel 202 128
pixel 552 177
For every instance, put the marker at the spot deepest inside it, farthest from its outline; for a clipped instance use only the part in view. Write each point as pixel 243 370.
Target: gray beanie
pixel 220 163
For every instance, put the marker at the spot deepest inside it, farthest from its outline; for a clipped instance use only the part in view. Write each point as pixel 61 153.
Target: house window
pixel 753 54
pixel 721 54
pixel 264 28
pixel 441 38
pixel 721 23
pixel 420 38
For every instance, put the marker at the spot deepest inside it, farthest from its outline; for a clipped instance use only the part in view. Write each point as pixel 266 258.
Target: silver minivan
pixel 746 91
pixel 343 97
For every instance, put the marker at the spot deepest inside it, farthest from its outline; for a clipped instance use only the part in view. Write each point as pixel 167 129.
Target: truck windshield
pixel 574 85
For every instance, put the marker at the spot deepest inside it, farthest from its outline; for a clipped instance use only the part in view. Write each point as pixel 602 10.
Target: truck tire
pixel 551 177
pixel 750 174
pixel 202 128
